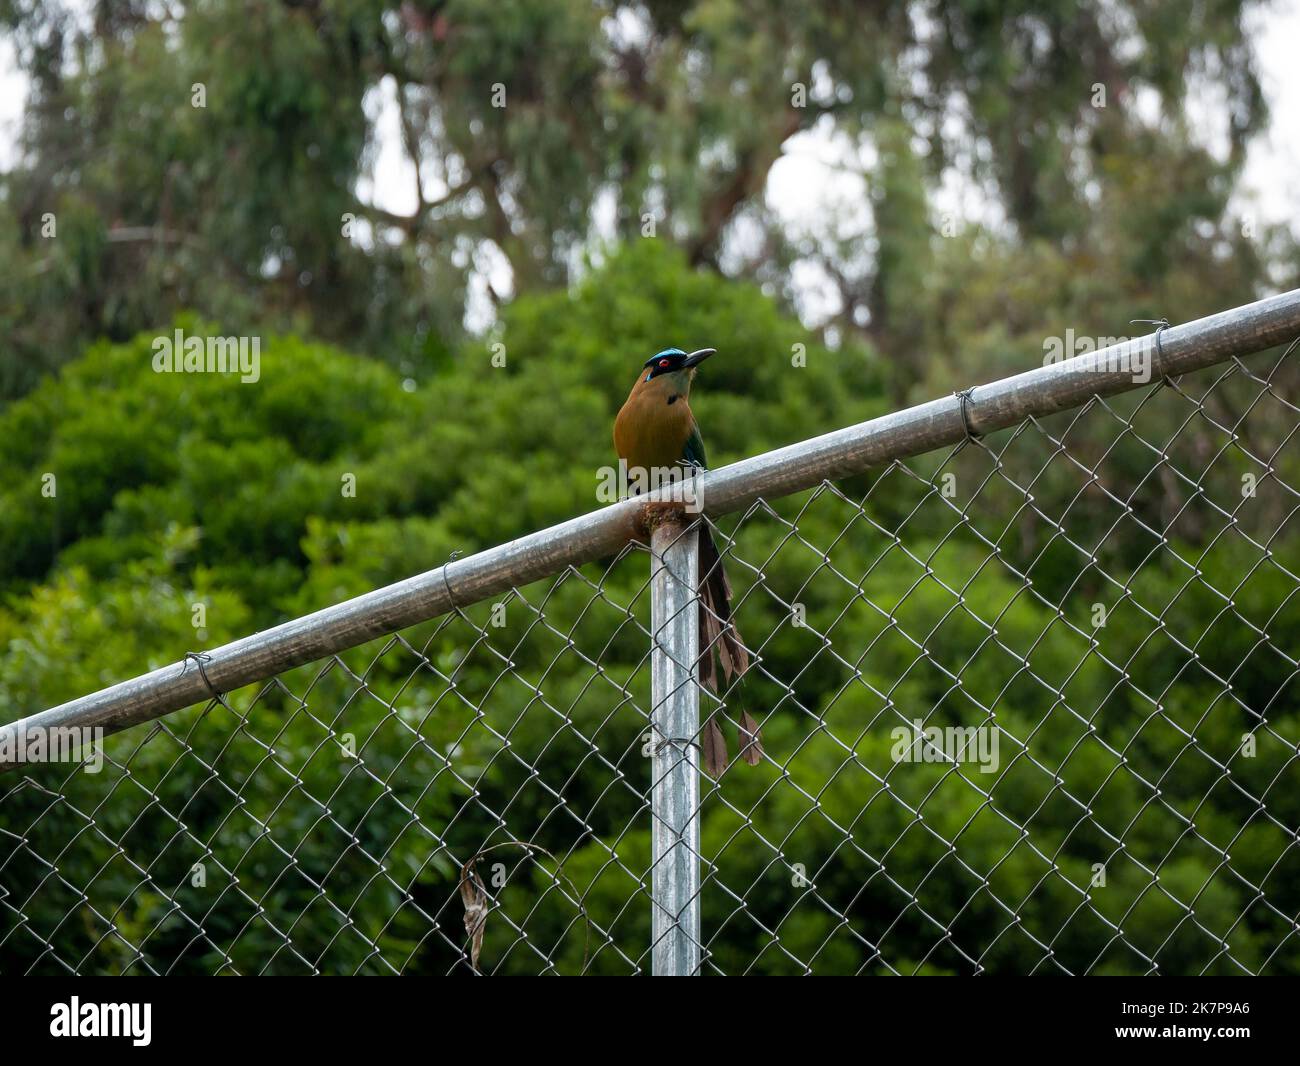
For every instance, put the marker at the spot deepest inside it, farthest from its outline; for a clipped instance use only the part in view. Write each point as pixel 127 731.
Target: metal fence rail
pixel 1025 660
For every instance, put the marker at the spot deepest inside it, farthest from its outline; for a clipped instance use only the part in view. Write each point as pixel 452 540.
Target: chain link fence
pixel 1028 703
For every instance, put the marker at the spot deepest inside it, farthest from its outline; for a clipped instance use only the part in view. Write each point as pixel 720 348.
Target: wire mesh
pixel 1028 706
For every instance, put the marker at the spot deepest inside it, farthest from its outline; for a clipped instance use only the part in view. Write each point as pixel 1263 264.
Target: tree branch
pixel 745 181
pixel 409 224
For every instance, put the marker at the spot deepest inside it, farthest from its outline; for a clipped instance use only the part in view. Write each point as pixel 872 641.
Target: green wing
pixel 693 452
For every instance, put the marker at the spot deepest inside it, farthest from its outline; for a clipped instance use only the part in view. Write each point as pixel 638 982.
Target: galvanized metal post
pixel 675 720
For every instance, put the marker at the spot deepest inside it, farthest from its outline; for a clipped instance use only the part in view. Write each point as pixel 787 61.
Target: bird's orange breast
pixel 650 431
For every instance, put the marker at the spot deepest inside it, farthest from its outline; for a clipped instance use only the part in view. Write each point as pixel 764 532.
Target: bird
pixel 655 430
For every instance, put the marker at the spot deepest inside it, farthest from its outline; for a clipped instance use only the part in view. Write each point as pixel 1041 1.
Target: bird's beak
pixel 696 358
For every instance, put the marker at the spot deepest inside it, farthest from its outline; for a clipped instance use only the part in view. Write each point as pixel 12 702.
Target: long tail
pixel 718 634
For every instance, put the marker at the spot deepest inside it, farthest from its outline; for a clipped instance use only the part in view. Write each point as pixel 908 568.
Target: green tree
pixel 538 129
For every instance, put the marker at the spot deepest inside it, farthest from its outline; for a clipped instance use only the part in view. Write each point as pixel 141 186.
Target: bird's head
pixel 677 362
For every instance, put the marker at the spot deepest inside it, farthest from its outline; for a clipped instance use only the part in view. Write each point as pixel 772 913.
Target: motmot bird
pixel 655 431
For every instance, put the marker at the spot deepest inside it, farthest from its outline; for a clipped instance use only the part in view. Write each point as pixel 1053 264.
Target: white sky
pixel 810 179
pixel 1274 160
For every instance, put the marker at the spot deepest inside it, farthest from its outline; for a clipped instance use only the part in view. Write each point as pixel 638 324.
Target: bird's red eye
pixel 663 362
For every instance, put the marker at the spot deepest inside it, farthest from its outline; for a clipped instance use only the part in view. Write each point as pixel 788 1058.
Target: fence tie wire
pixel 200 659
pixel 665 743
pixel 966 398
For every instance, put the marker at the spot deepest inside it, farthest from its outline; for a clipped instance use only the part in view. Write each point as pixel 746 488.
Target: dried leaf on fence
pixel 751 741
pixel 474 895
pixel 714 747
